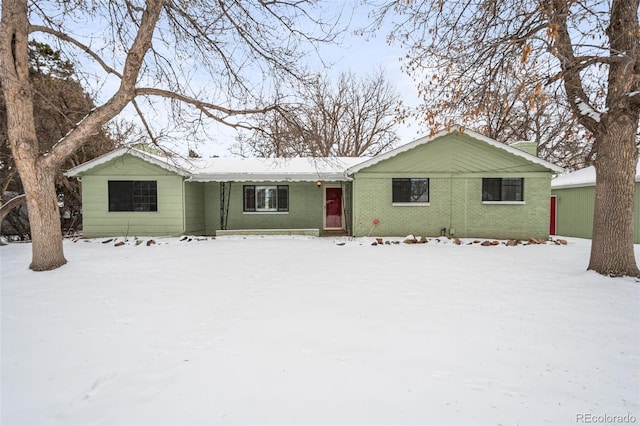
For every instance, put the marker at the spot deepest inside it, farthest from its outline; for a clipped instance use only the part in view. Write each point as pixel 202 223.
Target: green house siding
pixel 98 221
pixel 306 207
pixel 574 215
pixel 454 202
pixel 574 211
pixel 455 153
pixel 194 208
pixel 455 165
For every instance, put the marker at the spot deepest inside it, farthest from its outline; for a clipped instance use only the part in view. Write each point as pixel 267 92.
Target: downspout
pixel 348 226
pixel 466 202
pixel 344 207
pixel 450 202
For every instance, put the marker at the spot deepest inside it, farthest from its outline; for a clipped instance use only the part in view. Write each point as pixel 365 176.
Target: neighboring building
pixel 457 183
pixel 574 195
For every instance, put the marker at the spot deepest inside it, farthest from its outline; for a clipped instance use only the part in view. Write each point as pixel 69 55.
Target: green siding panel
pixel 455 153
pixel 194 208
pixel 99 222
pixel 575 212
pixel 454 202
pixel 455 165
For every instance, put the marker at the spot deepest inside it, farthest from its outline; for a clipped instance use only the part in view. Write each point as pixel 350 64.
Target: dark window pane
pixel 145 196
pixel 401 189
pixel 503 189
pixel 405 190
pixel 283 198
pixel 129 196
pixel 249 198
pixel 120 197
pixel 491 189
pixel 419 190
pixel 512 189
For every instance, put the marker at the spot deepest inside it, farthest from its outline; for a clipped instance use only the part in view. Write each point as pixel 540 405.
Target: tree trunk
pixel 612 250
pixel 38 178
pixel 44 219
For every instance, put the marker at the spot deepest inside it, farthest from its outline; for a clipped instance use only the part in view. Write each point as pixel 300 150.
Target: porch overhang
pixel 270 177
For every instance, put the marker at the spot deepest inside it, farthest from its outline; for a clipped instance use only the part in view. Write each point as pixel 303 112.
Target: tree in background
pixel 353 117
pixel 59 101
pixel 515 108
pixel 459 50
pixel 207 59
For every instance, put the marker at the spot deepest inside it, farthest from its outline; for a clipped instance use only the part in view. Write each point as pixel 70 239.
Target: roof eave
pixel 85 167
pixel 269 177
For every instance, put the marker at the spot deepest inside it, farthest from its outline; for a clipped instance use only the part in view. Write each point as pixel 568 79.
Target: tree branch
pixel 562 49
pixel 86 49
pixel 92 122
pixel 206 107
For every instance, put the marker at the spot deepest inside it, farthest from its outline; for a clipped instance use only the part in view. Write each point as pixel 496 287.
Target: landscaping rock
pixel 537 241
pixel 410 240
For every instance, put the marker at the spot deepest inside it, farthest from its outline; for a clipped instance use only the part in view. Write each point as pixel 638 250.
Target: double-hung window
pixel 273 198
pixel 133 196
pixel 503 189
pixel 410 190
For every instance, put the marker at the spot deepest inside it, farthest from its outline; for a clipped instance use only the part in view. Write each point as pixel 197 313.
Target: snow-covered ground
pixel 298 330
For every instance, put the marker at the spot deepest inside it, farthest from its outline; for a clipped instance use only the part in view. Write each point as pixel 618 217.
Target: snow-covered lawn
pixel 297 330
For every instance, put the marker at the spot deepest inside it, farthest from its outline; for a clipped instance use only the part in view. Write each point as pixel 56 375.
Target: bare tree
pixel 521 111
pixel 591 49
pixel 350 118
pixel 59 101
pixel 208 58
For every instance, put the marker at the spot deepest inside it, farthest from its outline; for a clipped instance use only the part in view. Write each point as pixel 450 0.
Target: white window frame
pixel 273 189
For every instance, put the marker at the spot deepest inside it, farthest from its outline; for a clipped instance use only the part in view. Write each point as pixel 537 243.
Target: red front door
pixel 333 208
pixel 552 219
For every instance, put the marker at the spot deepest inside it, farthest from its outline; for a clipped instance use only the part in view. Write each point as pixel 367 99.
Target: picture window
pixel 503 189
pixel 410 190
pixel 133 196
pixel 274 198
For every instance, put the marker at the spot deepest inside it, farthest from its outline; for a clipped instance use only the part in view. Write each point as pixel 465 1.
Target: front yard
pixel 301 330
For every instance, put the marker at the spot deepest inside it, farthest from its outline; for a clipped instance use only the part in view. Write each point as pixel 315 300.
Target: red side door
pixel 333 208
pixel 553 212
